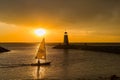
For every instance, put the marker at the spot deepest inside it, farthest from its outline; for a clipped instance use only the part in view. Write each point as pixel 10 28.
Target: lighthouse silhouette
pixel 66 40
pixel 66 44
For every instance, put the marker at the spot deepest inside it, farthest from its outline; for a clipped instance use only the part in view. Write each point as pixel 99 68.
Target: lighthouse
pixel 66 41
pixel 66 44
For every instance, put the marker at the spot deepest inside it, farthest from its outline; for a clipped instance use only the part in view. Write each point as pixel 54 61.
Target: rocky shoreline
pixel 98 48
pixel 109 49
pixel 3 49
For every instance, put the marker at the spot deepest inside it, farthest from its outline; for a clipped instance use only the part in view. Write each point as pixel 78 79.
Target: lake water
pixel 65 64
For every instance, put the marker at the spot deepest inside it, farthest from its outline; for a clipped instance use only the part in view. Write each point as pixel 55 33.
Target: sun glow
pixel 40 32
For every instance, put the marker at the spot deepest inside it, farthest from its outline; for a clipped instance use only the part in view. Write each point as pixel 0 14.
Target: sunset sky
pixel 84 20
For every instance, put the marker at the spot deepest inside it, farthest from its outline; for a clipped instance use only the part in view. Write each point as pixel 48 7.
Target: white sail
pixel 41 54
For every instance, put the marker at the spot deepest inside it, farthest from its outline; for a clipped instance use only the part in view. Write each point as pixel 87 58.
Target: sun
pixel 40 32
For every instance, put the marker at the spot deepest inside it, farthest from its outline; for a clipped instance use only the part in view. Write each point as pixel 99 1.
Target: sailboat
pixel 41 55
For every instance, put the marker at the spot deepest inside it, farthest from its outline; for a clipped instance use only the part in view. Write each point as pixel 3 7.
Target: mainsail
pixel 41 54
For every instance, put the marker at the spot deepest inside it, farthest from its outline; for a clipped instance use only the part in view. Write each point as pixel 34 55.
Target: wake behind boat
pixel 41 55
pixel 23 65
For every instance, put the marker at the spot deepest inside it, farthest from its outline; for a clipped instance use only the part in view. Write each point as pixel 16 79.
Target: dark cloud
pixel 61 12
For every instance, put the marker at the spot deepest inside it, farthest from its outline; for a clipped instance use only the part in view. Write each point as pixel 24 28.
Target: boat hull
pixel 41 64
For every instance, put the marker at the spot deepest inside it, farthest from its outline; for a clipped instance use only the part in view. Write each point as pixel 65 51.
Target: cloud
pixel 7 28
pixel 60 12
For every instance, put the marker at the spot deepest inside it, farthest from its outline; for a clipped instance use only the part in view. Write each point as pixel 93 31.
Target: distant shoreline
pixel 109 49
pixel 72 43
pixel 98 47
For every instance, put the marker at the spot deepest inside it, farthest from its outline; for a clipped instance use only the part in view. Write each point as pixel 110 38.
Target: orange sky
pixel 13 33
pixel 85 20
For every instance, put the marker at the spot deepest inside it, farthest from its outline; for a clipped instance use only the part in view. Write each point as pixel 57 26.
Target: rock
pixel 3 50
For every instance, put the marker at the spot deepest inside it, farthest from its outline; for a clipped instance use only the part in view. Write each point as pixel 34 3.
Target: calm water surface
pixel 66 64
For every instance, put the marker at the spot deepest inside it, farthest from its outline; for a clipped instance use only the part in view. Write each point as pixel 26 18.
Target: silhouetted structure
pixel 66 44
pixel 107 47
pixel 66 40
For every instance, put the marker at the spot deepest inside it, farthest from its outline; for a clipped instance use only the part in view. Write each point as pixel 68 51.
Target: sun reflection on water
pixel 39 72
